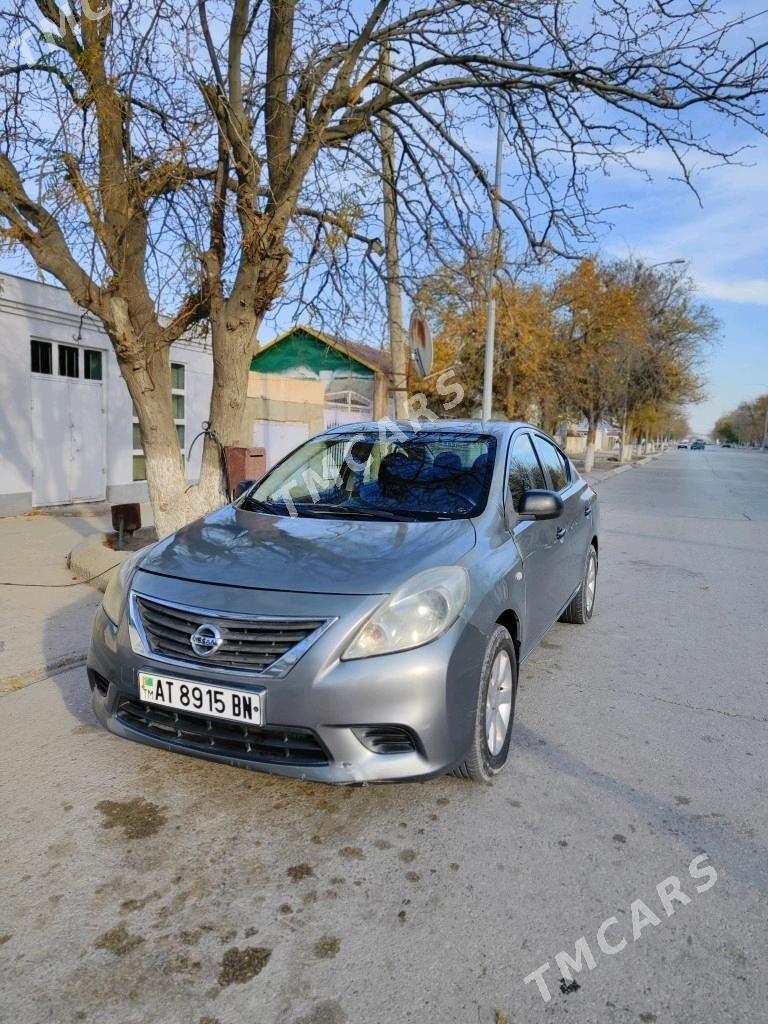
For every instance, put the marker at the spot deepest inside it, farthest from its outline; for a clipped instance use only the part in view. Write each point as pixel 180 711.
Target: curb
pixel 599 477
pixel 92 562
pixel 12 683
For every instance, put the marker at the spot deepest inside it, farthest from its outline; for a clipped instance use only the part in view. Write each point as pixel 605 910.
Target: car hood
pixel 321 556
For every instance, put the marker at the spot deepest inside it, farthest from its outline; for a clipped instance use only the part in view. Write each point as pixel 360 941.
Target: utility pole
pixel 490 322
pixel 398 346
pixel 765 429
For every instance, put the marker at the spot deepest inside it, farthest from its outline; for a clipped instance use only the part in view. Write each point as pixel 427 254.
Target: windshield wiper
pixel 253 505
pixel 348 510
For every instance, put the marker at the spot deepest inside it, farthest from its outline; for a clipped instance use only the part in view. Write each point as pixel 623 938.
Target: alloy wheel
pixel 498 703
pixel 591 582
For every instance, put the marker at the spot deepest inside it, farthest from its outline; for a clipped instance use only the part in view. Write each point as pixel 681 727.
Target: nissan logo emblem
pixel 205 640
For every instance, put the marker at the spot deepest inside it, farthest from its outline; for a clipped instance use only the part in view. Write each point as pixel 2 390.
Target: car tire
pixel 579 611
pixel 494 712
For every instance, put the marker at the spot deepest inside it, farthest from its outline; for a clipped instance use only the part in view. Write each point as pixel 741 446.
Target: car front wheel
pixel 495 710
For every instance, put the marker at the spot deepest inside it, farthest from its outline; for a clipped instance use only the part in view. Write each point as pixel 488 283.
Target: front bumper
pixel 317 714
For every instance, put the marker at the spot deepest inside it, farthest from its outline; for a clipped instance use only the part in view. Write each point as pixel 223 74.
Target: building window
pixel 42 356
pixel 178 397
pixel 69 361
pixel 139 467
pixel 178 381
pixel 92 364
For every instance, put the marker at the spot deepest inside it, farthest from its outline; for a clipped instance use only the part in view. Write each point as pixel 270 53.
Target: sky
pixel 725 242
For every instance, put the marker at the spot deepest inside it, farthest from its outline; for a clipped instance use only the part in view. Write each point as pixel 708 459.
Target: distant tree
pixel 524 383
pixel 725 430
pixel 603 330
pixel 664 370
pixel 746 423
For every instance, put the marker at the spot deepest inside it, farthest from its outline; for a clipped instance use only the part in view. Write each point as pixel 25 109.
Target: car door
pixel 573 527
pixel 536 542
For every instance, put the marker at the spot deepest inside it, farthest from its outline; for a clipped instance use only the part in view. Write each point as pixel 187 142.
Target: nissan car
pixel 361 612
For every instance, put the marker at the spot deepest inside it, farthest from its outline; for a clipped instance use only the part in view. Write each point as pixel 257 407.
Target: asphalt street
pixel 142 887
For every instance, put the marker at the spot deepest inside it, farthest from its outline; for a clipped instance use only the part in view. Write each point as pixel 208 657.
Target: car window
pixel 524 470
pixel 552 459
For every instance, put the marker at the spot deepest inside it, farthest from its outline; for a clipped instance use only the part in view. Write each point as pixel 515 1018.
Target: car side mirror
pixel 539 504
pixel 240 489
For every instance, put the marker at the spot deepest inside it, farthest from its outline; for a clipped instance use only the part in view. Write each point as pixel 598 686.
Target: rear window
pixel 525 473
pixel 553 460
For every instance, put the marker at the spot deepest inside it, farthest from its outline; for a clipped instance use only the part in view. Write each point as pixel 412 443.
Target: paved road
pixel 138 886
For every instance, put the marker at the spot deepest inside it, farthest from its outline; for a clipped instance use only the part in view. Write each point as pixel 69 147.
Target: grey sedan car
pixel 360 613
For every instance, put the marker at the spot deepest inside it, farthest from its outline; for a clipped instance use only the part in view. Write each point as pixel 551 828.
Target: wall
pixel 282 409
pixel 28 310
pixel 577 445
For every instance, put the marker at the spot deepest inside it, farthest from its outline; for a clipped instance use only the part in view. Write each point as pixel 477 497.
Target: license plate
pixel 202 698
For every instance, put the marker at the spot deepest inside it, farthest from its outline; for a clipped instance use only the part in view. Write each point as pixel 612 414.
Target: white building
pixel 67 431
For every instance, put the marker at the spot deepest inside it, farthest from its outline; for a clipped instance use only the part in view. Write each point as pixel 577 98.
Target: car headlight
pixel 416 613
pixel 117 588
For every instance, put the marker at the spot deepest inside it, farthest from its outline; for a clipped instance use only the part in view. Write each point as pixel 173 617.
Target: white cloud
pixel 725 240
pixel 754 290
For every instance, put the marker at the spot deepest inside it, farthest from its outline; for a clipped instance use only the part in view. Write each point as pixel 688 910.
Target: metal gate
pixel 68 434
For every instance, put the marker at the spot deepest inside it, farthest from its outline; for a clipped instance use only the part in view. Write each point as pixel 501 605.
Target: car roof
pixel 497 428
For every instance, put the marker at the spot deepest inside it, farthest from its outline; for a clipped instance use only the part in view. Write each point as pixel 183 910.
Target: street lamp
pixel 668 263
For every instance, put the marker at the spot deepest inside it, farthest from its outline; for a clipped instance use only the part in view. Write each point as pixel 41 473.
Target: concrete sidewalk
pixel 45 627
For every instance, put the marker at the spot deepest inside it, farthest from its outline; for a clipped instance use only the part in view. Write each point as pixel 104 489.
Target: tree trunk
pixel 626 442
pixel 148 377
pixel 232 353
pixel 589 455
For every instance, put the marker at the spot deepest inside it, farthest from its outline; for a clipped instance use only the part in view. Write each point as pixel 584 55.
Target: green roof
pixel 304 348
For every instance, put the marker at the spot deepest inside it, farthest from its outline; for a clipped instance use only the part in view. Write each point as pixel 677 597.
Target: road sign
pixel 420 340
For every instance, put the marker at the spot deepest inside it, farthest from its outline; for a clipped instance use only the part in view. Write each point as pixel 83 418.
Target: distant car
pixel 727 444
pixel 682 444
pixel 698 446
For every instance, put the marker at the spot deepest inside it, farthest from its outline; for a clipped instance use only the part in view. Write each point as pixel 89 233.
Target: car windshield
pixel 422 474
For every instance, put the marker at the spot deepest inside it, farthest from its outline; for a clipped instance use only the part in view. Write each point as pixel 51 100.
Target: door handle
pixel 560 532
pixel 587 510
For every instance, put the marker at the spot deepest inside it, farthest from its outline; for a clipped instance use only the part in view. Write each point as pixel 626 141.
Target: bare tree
pixel 192 161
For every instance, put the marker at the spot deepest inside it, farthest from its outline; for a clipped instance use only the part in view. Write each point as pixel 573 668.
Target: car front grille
pixel 266 744
pixel 248 644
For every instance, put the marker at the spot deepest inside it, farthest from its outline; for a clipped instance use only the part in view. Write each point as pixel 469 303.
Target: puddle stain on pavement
pixel 138 818
pixel 327 947
pixel 118 940
pixel 241 965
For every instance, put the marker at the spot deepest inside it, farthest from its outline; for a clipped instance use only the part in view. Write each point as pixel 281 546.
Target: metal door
pixel 569 527
pixel 541 554
pixel 50 441
pixel 279 438
pixel 68 440
pixel 537 542
pixel 87 469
